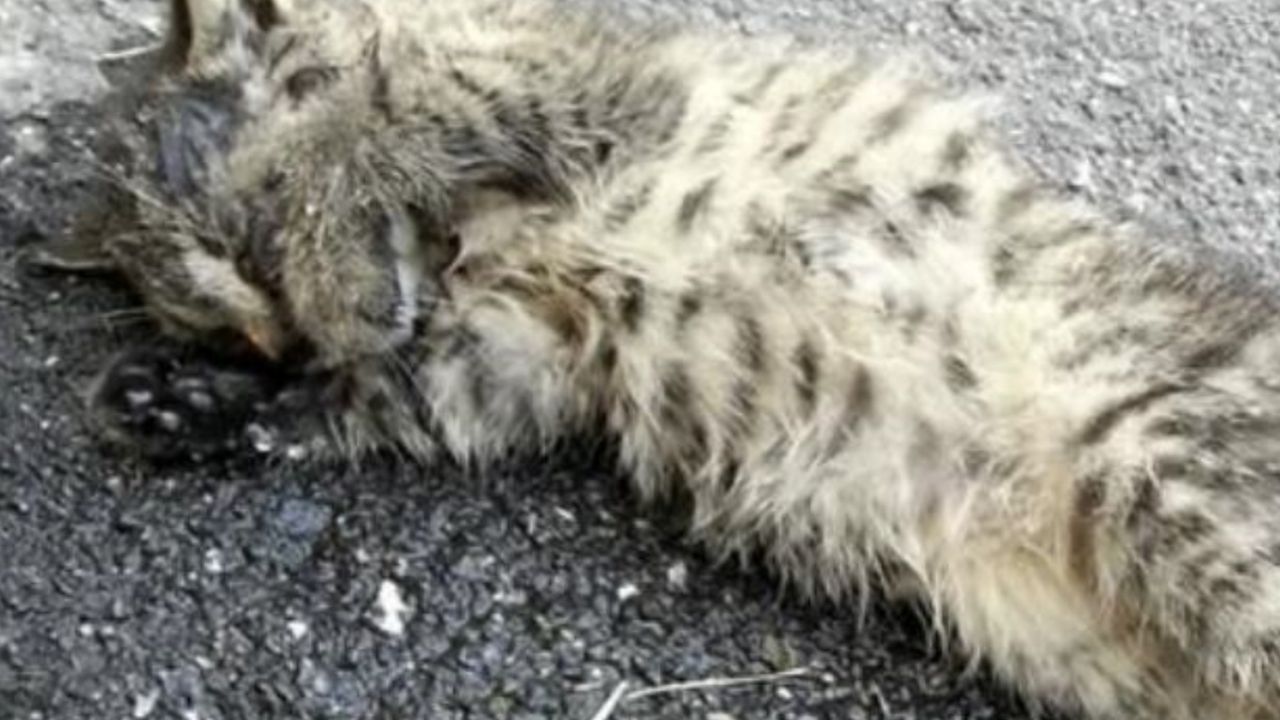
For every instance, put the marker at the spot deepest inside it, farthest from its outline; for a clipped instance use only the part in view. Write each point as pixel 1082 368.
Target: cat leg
pixel 168 402
pixel 1178 517
pixel 163 401
pixel 1014 609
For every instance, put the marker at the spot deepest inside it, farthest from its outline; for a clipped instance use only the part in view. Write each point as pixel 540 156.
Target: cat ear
pixel 264 14
pixel 86 245
pixel 193 27
pixel 199 28
pixel 78 252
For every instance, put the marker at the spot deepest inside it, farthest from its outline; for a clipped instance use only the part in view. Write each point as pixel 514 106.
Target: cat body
pixel 806 291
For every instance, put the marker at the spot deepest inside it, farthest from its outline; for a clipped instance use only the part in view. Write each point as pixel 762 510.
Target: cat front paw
pixel 165 403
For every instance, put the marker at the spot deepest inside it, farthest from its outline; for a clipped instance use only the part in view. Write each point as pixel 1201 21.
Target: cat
pixel 807 291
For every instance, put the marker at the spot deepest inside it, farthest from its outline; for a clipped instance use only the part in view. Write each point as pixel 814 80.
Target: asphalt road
pixel 239 591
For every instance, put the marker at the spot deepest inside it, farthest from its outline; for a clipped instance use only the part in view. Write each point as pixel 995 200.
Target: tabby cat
pixel 807 291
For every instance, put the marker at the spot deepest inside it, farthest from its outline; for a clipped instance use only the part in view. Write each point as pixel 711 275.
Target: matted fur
pixel 805 289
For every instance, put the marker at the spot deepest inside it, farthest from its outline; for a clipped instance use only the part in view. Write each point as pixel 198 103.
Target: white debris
pixel 1113 80
pixel 298 629
pixel 511 598
pixel 1082 178
pixel 145 704
pixel 260 438
pixel 627 592
pixel 214 564
pixel 678 576
pixel 390 611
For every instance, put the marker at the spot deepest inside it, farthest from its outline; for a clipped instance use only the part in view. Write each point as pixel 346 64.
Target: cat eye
pixel 308 80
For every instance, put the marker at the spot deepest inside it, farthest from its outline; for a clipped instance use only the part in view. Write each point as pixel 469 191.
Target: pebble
pixel 628 591
pixel 31 138
pixel 1113 80
pixel 260 438
pixel 138 397
pixel 678 576
pixel 145 704
pixel 169 420
pixel 390 611
pixel 214 563
pixel 299 518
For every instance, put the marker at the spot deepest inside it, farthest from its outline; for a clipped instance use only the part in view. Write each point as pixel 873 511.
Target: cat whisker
pixel 112 319
pixel 401 365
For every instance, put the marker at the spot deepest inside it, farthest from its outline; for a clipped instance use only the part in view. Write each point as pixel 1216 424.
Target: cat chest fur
pixel 778 328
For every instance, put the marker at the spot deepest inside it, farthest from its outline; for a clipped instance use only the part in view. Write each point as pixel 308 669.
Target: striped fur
pixel 807 290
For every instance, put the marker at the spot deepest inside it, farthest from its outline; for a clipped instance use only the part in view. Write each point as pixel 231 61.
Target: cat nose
pixel 265 338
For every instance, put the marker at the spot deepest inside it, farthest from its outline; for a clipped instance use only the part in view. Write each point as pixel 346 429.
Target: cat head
pixel 273 207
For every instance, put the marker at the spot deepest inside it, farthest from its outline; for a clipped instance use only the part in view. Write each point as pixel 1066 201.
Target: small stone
pixel 31 138
pixel 1082 178
pixel 169 420
pixel 678 576
pixel 627 592
pixel 260 438
pixel 200 400
pixel 390 611
pixel 138 397
pixel 303 519
pixel 314 679
pixel 963 16
pixel 145 704
pixel 298 629
pixel 214 563
pixel 1113 80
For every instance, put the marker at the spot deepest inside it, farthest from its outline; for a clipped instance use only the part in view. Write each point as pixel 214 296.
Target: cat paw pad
pixel 162 404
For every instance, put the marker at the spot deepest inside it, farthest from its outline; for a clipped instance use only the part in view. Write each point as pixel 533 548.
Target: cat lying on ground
pixel 808 292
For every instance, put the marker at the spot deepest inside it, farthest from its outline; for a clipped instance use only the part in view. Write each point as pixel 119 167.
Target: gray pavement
pixel 235 591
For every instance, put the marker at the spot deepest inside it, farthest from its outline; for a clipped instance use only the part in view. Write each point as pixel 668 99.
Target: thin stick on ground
pixel 615 699
pixel 128 53
pixel 620 694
